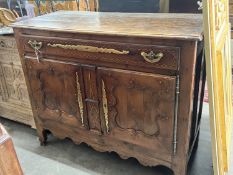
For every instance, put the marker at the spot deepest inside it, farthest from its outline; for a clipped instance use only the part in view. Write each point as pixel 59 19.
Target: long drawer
pixel 146 56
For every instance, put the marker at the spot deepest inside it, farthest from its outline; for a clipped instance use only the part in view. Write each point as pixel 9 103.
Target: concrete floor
pixel 62 157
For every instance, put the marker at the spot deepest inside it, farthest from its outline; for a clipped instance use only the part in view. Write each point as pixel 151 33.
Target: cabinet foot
pixel 43 137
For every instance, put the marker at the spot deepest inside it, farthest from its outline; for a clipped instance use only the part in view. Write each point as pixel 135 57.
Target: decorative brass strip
pixel 79 98
pixel 105 106
pixel 93 49
pixel 151 57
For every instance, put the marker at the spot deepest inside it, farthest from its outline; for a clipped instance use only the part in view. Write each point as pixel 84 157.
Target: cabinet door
pixel 57 91
pixel 138 108
pixel 13 86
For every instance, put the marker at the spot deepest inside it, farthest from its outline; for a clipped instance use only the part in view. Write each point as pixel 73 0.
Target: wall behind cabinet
pixel 184 6
pixel 135 6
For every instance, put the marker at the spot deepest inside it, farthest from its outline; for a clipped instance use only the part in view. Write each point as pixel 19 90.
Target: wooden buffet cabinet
pixel 128 83
pixel 14 99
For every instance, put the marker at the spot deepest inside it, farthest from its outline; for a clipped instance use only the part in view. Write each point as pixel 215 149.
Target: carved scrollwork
pixel 220 14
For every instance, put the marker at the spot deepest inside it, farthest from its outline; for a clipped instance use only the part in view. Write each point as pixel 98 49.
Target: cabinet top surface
pixel 157 25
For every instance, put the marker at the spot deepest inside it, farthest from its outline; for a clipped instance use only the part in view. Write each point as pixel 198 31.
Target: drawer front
pixel 135 55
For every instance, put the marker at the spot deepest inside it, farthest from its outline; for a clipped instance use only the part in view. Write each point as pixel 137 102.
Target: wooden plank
pixel 218 58
pixel 176 26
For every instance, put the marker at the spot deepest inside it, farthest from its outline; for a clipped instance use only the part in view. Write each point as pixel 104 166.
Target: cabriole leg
pixel 43 136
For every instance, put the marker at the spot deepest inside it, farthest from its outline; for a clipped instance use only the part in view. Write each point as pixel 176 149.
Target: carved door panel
pixel 20 86
pixel 7 73
pixel 12 85
pixel 12 79
pixel 58 91
pixel 138 108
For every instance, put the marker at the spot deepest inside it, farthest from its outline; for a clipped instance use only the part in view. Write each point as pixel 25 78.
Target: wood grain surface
pixel 179 26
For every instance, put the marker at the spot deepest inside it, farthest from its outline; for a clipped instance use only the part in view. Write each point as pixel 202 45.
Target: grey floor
pixel 62 157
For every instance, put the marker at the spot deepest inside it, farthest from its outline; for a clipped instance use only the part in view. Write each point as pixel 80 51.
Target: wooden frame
pixel 218 58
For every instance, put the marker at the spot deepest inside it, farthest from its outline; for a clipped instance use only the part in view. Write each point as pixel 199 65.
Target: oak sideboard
pixel 14 98
pixel 128 83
